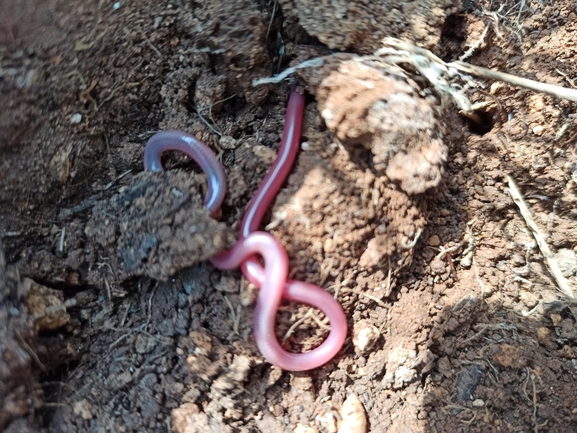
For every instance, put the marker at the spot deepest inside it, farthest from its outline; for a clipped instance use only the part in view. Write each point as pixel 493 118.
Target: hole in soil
pixel 309 98
pixel 453 37
pixel 481 122
pixel 233 104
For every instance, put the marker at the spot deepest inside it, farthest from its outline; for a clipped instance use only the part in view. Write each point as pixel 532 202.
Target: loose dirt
pixel 111 319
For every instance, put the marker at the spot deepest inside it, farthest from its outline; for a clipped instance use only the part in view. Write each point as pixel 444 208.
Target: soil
pixel 360 26
pixel 111 319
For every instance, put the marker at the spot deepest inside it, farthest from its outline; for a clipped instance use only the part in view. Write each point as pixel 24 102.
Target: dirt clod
pixel 156 227
pixel 20 393
pixel 379 107
pixel 360 25
pixel 46 306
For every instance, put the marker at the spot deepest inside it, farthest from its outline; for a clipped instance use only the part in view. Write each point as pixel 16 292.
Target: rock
pixel 84 409
pixel 507 355
pixel 438 266
pixel 567 261
pixel 353 417
pixel 154 227
pixel 365 336
pixel 467 382
pixel 45 305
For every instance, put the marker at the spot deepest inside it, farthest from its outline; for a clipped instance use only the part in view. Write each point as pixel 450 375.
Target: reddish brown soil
pixel 467 330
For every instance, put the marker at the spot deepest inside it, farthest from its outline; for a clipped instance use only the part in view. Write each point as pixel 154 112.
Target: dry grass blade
pixel 562 283
pixel 551 89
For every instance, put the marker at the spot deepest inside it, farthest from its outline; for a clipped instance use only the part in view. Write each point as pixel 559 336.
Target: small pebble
pixel 495 86
pixel 248 295
pixel 438 266
pixel 329 246
pixel 84 409
pixel 543 335
pixel 528 298
pixel 478 403
pixel 353 416
pixel 536 102
pixel 467 261
pixel 567 261
pixel 305 145
pixel 227 142
pixel 327 422
pixel 365 336
pixel 538 130
pixel 116 6
pixel 556 318
pixel 434 241
pixel 76 118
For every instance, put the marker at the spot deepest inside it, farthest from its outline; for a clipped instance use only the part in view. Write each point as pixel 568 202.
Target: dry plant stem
pixel 366 295
pixel 562 283
pixel 534 401
pixel 412 50
pixel 476 45
pixel 317 62
pixel 30 351
pixel 478 71
pixel 551 89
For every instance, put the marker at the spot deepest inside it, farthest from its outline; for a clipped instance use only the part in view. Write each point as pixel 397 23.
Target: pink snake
pixel 272 279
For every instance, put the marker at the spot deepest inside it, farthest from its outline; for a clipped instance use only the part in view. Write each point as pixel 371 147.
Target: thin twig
pixel 551 89
pixel 561 92
pixel 476 45
pixel 562 283
pixel 297 323
pixel 534 401
pixel 149 312
pixel 207 123
pixel 30 351
pixel 271 20
pixel 486 326
pixel 62 237
pixel 317 62
pixel 319 322
pixel 151 45
pixel 366 295
pixel 108 291
pixel 109 185
pixel 235 317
